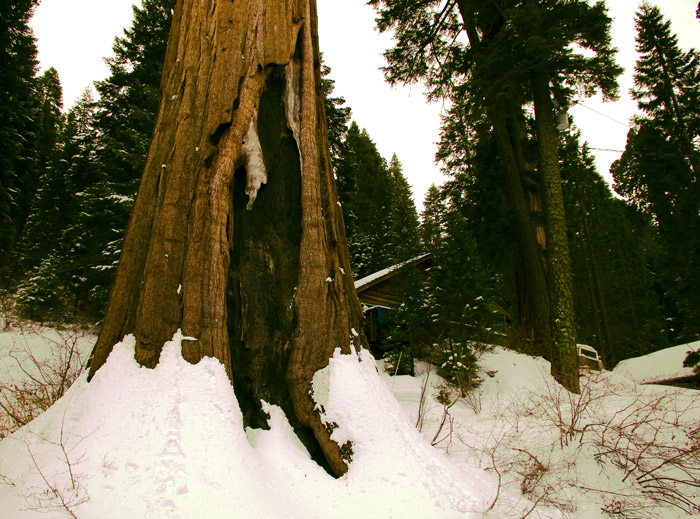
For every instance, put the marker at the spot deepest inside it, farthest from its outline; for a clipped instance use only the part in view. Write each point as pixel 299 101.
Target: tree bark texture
pixel 560 311
pixel 561 292
pixel 531 279
pixel 236 237
pixel 533 298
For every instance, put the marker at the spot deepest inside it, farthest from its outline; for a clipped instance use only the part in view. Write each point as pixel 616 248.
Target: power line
pixel 605 115
pixel 606 149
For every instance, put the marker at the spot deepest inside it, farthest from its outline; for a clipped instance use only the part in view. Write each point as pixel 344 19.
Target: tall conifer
pixel 518 52
pixel 18 114
pixel 364 191
pixel 403 239
pixel 618 311
pixel 659 172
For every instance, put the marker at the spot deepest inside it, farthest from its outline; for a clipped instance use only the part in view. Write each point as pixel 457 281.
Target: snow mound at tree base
pixel 170 443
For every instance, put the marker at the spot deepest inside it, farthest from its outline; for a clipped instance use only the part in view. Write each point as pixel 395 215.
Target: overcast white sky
pixel 74 36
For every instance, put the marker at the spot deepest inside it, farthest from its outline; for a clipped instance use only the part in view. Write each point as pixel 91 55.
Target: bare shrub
pixel 567 412
pixel 423 402
pixel 622 508
pixel 446 396
pixel 472 398
pixel 55 496
pixel 38 379
pixel 649 438
pixel 656 446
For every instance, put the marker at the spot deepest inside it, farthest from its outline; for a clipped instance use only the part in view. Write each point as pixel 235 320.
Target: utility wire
pixel 605 115
pixel 606 149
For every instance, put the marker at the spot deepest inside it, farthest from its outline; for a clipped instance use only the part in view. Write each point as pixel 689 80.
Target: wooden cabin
pixel 382 292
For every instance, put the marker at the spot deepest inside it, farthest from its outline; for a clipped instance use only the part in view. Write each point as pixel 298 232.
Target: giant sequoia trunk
pixel 561 292
pixel 236 237
pixel 531 280
pixel 548 295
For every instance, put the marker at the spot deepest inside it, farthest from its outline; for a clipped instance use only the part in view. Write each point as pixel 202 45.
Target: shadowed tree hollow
pixel 236 237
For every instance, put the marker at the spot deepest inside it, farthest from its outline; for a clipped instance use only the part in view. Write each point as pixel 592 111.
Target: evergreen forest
pixel 525 235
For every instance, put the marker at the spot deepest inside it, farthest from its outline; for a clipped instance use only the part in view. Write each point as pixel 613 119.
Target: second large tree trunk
pixel 561 292
pixel 236 237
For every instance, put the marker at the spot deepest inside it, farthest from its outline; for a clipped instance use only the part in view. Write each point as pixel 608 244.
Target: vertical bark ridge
pixel 322 290
pixel 176 271
pixel 564 354
pixel 533 284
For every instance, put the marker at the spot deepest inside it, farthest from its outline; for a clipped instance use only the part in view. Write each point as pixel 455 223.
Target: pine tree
pixel 476 190
pixel 46 214
pixel 618 310
pixel 56 247
pixel 94 184
pixel 517 53
pixel 380 216
pixel 50 117
pixel 128 98
pixel 365 194
pixel 431 217
pixel 18 115
pixel 338 116
pixel 124 119
pixel 403 238
pixel 667 84
pixel 86 194
pixel 457 315
pixel 659 172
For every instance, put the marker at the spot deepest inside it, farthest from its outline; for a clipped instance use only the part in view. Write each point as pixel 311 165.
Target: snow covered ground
pixel 659 366
pixel 37 365
pixel 169 443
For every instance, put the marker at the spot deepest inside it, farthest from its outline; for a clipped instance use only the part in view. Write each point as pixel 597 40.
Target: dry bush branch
pixel 66 501
pixel 423 401
pixel 39 380
pixel 55 497
pixel 447 397
pixel 567 412
pixel 652 438
pixel 472 398
pixel 652 442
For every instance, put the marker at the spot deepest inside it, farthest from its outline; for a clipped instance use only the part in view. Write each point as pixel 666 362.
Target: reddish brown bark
pixel 176 270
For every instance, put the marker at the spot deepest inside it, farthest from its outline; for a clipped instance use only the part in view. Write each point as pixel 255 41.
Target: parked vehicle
pixel 588 358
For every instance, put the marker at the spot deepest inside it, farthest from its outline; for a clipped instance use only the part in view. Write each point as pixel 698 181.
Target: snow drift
pixel 170 443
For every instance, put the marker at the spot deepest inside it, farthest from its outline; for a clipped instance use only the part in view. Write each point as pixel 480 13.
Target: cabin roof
pixel 380 288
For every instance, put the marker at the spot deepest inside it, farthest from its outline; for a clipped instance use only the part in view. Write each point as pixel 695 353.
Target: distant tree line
pixel 69 179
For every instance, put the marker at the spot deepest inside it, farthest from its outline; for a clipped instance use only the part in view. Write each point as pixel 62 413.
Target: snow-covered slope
pixel 169 443
pixel 659 366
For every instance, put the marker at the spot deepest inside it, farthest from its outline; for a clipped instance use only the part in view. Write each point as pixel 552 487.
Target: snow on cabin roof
pixel 379 276
pixel 661 366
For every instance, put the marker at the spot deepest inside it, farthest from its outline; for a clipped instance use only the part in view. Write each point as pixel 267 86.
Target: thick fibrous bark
pixel 561 292
pixel 235 236
pixel 533 297
pixel 535 316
